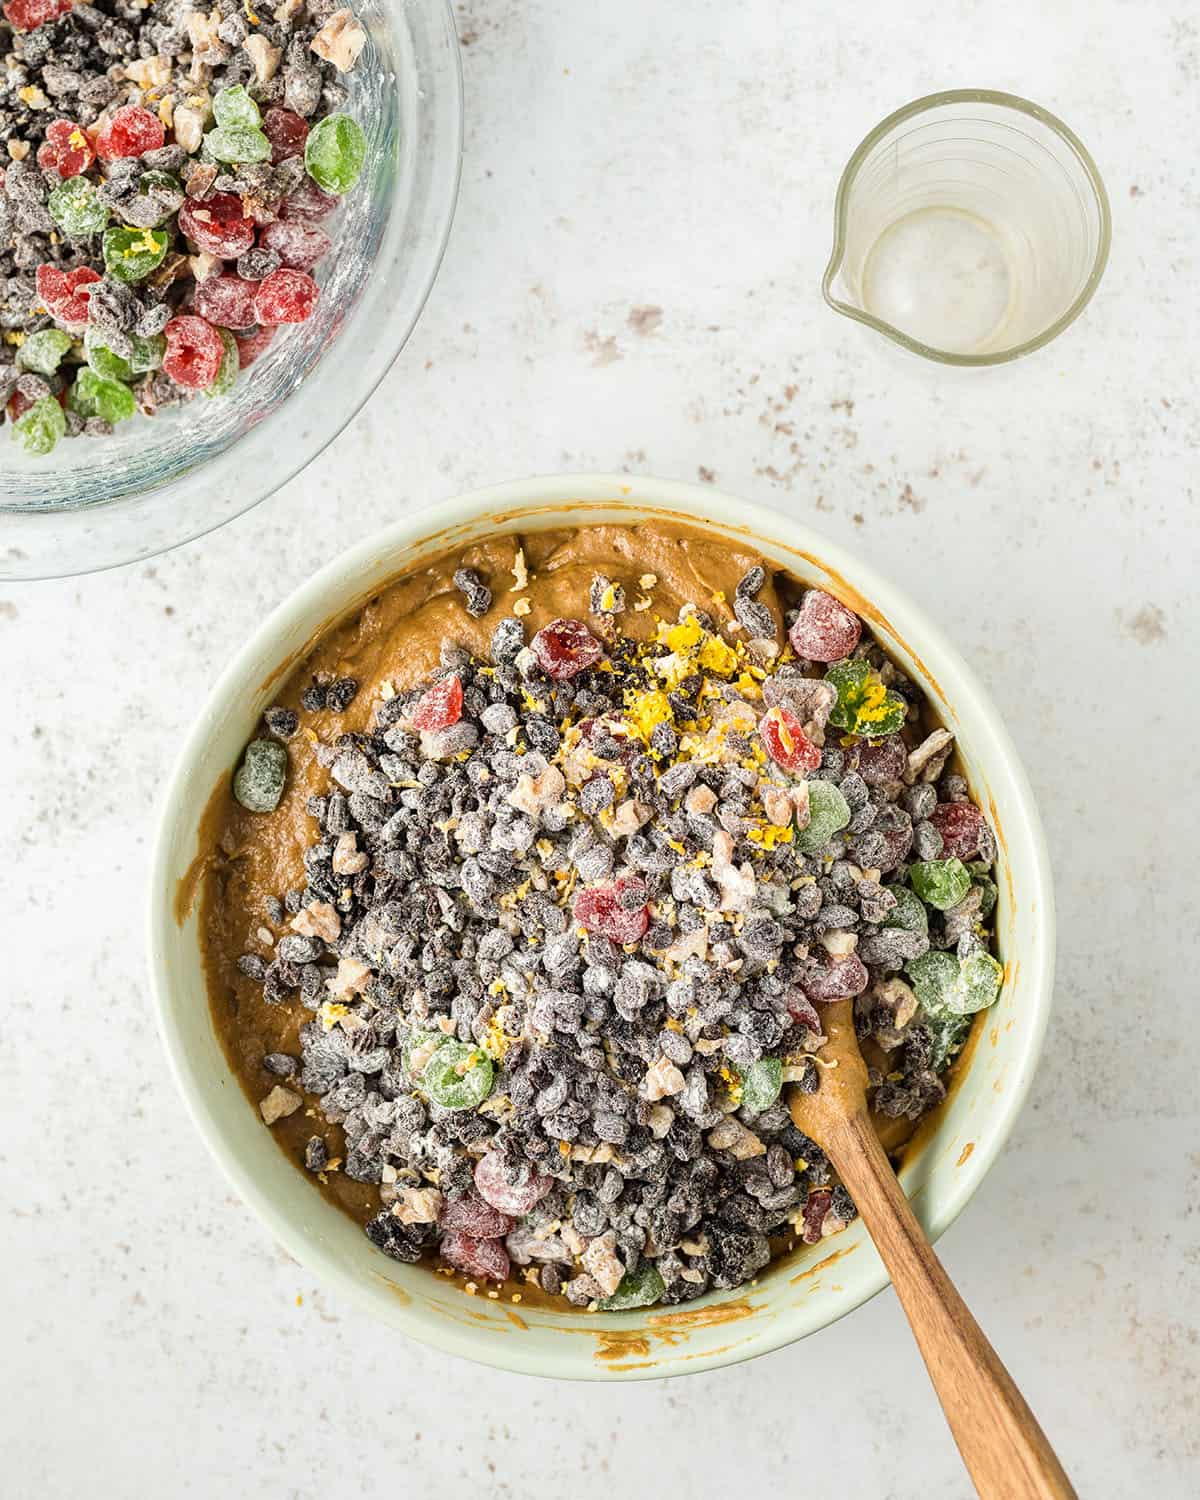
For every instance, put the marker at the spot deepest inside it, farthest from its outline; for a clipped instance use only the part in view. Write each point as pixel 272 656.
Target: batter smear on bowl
pixel 523 906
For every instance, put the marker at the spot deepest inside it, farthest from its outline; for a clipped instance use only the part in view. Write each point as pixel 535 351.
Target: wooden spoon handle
pixel 1004 1449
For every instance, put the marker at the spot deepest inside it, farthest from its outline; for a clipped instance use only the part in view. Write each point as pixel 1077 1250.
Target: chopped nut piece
pixel 150 72
pixel 279 1103
pixel 263 55
pixel 732 1136
pixel 662 1079
pixel 533 794
pixel 418 1205
pixel 318 920
pixel 351 978
pixel 348 859
pixel 602 1262
pixel 630 816
pixel 205 265
pixel 189 127
pixel 340 40
pixel 701 799
pixel 923 756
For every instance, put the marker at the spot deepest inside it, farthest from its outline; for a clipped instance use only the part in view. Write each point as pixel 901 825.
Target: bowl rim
pixel 508 503
pixel 295 458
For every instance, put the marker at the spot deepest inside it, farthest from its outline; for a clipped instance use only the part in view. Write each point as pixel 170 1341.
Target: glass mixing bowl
pixel 95 502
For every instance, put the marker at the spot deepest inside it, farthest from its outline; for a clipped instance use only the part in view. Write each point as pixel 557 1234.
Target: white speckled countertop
pixel 633 282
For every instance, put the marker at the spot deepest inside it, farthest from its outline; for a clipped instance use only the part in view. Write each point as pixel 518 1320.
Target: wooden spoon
pixel 1004 1449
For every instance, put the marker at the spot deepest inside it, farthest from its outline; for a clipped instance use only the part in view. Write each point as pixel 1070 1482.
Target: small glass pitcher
pixel 971 227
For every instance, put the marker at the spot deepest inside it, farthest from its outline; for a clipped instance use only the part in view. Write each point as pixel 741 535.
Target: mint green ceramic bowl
pixel 792 1298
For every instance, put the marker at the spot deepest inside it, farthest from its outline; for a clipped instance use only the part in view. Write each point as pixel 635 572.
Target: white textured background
pixel 625 156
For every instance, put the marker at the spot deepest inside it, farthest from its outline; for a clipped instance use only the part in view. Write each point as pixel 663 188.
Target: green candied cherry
pixel 987 897
pixel 458 1076
pixel 940 883
pixel 41 426
pixel 147 353
pixel 93 395
pixel 334 153
pixel 159 196
pixel 43 351
pixel 258 784
pixel 235 109
pixel 76 207
pixel 948 986
pixel 237 145
pixel 828 811
pixel 934 976
pixel 761 1083
pixel 947 1035
pixel 864 705
pixel 638 1288
pixel 909 911
pixel 227 370
pixel 131 254
pixel 979 982
pixel 107 365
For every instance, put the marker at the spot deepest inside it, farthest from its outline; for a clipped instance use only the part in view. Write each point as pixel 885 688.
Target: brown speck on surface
pixel 8 610
pixel 1135 191
pixel 844 403
pixel 911 501
pixel 858 518
pixel 604 351
pixel 1147 627
pixel 645 321
pixel 965 1153
pixel 707 476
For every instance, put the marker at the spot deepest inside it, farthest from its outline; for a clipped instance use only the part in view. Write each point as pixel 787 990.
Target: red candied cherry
pixel 471 1214
pixel 309 204
pixel 28 15
pixel 603 909
pixel 227 301
pixel 816 1206
pixel 252 345
pixel 440 706
pixel 486 1259
pixel 218 225
pixel 298 246
pixel 66 149
pixel 786 742
pixel 130 131
pixel 194 352
pixel 840 979
pixel 961 827
pixel 285 297
pixel 565 647
pixel 824 630
pixel 287 132
pixel 64 293
pixel 879 761
pixel 517 1197
pixel 800 1007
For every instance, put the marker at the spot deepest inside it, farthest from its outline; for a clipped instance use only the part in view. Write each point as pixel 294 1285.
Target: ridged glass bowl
pixel 96 502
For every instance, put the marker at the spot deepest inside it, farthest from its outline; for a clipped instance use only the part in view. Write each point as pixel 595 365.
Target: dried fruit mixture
pixel 164 176
pixel 572 910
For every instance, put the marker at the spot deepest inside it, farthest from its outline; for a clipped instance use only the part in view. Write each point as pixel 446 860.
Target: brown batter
pixel 246 859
